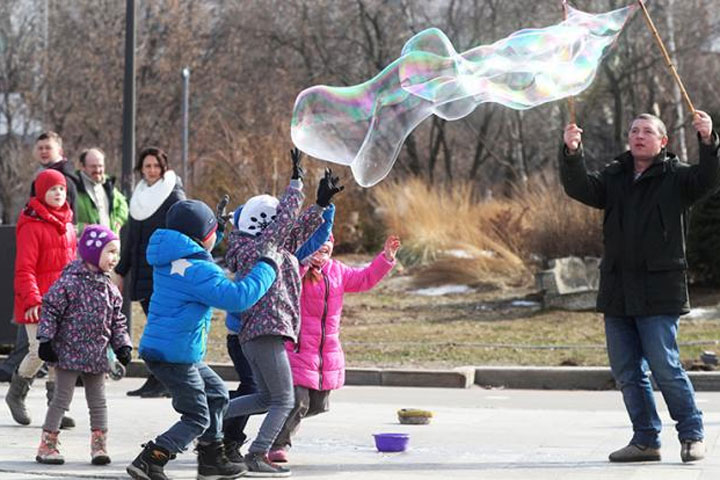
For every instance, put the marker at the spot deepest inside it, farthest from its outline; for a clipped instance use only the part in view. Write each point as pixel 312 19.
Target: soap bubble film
pixel 364 126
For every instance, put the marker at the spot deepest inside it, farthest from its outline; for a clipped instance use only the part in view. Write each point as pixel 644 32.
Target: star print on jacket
pixel 179 266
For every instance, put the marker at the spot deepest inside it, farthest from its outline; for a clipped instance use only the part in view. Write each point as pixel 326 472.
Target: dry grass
pixel 391 327
pixel 449 234
pixel 558 226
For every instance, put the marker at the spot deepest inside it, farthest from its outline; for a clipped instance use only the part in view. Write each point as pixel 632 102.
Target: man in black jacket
pixel 645 194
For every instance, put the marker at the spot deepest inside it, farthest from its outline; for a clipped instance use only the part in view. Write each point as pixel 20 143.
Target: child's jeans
pixel 234 428
pixel 271 368
pixel 32 361
pixel 308 403
pixel 199 395
pixel 94 384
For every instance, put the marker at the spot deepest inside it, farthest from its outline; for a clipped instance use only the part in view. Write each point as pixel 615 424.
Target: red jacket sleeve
pixel 26 260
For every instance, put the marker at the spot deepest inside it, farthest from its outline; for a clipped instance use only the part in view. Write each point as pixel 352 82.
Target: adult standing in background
pixel 49 153
pixel 98 201
pixel 154 194
pixel 645 194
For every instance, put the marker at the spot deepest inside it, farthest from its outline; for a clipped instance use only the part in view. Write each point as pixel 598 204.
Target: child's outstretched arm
pixel 311 218
pixel 240 251
pixel 319 236
pixel 363 279
pixel 213 288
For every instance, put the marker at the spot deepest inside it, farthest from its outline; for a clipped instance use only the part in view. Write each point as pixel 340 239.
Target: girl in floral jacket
pixel 316 358
pixel 276 316
pixel 81 318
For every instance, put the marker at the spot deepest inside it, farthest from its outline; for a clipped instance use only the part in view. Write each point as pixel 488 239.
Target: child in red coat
pixel 46 243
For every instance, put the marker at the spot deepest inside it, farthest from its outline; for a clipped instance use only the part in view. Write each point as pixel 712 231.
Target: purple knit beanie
pixel 93 240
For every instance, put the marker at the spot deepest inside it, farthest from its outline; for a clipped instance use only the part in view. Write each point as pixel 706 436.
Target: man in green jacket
pixel 645 194
pixel 98 201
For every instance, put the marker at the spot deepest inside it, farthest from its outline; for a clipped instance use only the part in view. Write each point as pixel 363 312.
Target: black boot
pixel 152 388
pixel 214 465
pixel 150 463
pixel 232 450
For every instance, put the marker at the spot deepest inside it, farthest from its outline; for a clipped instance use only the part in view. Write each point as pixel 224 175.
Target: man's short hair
pixel 50 135
pixel 659 124
pixel 85 152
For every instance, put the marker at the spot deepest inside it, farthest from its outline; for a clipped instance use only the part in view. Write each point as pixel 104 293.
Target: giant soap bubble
pixel 364 126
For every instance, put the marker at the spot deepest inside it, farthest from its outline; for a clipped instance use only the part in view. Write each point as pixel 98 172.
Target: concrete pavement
pixel 476 433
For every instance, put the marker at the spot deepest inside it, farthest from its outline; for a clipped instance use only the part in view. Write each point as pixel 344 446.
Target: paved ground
pixel 476 433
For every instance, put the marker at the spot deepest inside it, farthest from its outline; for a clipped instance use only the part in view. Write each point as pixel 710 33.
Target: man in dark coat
pixel 645 194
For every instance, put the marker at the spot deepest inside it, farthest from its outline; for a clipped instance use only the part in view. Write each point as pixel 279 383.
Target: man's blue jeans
pixel 200 396
pixel 636 343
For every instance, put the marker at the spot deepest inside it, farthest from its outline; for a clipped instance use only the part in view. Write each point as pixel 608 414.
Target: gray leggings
pixel 65 387
pixel 270 366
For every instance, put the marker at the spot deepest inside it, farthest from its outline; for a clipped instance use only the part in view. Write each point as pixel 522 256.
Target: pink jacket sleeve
pixel 363 279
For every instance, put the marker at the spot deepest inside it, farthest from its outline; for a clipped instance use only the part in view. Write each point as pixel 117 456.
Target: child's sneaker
pixel 278 455
pixel 48 451
pixel 260 466
pixel 150 463
pixel 98 448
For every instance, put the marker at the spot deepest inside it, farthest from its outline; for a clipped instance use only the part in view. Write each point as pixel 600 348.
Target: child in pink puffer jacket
pixel 317 359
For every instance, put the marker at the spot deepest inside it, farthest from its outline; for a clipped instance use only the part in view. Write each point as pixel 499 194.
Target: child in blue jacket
pixel 187 283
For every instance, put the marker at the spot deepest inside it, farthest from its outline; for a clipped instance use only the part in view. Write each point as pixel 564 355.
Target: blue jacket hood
pixel 166 246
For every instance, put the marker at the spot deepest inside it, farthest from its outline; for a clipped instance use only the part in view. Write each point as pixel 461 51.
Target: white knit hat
pixel 257 213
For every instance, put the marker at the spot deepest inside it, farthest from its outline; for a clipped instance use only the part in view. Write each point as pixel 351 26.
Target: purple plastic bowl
pixel 391 442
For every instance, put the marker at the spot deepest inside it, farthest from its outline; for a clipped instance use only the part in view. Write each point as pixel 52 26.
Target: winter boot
pixel 214 465
pixel 66 422
pixel 48 451
pixel 152 388
pixel 15 398
pixel 150 463
pixel 98 448
pixel 232 451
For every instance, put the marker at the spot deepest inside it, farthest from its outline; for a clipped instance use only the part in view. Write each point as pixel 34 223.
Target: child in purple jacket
pixel 80 318
pixel 276 316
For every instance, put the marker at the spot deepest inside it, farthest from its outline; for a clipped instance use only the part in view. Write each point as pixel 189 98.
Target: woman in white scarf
pixel 153 195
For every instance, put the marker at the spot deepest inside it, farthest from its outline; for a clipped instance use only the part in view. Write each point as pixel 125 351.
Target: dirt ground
pixel 393 326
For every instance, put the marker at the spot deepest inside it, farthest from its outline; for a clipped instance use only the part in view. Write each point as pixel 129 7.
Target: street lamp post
pixel 128 126
pixel 185 123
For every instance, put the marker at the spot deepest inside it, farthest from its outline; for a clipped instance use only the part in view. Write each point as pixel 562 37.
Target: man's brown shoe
pixel 692 450
pixel 635 453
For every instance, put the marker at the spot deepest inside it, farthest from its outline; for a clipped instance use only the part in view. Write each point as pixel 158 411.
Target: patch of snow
pixel 700 313
pixel 524 303
pixel 442 290
pixel 458 253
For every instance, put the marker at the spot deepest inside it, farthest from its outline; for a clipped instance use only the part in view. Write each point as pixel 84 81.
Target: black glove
pixel 46 352
pixel 123 355
pixel 297 173
pixel 328 187
pixel 221 213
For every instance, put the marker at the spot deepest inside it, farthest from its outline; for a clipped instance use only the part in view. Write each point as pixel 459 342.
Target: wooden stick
pixel 667 57
pixel 571 99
